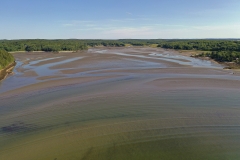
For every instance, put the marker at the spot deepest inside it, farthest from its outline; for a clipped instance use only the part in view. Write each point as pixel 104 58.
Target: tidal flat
pixel 119 103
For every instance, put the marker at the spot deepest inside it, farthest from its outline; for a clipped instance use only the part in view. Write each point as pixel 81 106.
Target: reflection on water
pixel 171 57
pixel 124 116
pixel 43 60
pixel 18 80
pixel 184 60
pixel 44 70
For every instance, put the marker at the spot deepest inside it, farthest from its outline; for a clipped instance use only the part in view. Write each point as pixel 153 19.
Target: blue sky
pixel 116 19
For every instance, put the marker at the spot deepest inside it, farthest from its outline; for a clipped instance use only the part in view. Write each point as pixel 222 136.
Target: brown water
pixel 119 104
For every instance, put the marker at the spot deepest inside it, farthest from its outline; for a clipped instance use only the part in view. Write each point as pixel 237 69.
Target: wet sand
pixel 119 103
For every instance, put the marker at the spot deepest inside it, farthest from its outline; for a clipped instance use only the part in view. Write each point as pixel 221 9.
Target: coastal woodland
pixel 219 50
pixel 222 50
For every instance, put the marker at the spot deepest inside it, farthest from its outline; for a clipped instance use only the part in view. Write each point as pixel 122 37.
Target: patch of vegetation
pixel 54 45
pixel 223 56
pixel 5 59
pixel 203 45
pixel 232 59
pixel 219 50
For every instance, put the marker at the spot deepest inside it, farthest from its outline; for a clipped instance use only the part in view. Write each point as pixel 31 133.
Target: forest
pixel 68 44
pixel 42 45
pixel 5 59
pixel 223 50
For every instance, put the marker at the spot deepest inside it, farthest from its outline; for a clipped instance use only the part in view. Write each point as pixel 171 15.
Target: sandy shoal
pixel 51 84
pixel 93 61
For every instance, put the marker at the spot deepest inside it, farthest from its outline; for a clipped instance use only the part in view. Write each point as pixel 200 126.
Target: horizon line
pixel 122 39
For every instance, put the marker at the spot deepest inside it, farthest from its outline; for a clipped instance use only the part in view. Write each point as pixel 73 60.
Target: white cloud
pixel 129 13
pixel 218 27
pixel 68 25
pixel 78 23
pixel 144 28
pixel 129 32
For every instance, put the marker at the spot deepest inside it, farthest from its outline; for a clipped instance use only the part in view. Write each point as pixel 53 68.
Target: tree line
pixel 41 45
pixel 203 45
pixel 76 44
pixel 68 44
pixel 55 45
pixel 219 49
pixel 222 56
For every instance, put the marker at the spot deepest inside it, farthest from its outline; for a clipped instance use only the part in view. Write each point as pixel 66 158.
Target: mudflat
pixel 119 103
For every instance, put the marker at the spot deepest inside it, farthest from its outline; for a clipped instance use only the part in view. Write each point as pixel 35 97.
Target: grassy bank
pixel 4 72
pixel 6 64
pixel 5 59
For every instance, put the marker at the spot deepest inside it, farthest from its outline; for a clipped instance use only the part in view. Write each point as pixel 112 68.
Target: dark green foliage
pixel 5 59
pixel 42 45
pixel 142 42
pixel 223 56
pixel 203 45
pixel 67 45
pixel 55 45
pixel 220 50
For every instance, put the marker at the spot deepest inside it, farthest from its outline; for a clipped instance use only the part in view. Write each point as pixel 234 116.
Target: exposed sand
pixel 196 83
pixel 50 85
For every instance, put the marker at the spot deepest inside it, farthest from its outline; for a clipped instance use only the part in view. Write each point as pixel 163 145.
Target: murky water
pixel 140 109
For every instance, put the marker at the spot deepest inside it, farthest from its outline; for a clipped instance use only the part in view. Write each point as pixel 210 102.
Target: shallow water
pixel 171 57
pixel 135 112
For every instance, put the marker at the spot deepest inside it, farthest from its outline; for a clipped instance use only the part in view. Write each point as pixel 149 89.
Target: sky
pixel 119 19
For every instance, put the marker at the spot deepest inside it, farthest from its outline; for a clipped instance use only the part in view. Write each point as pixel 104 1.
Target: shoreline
pixel 195 53
pixel 6 71
pixel 187 53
